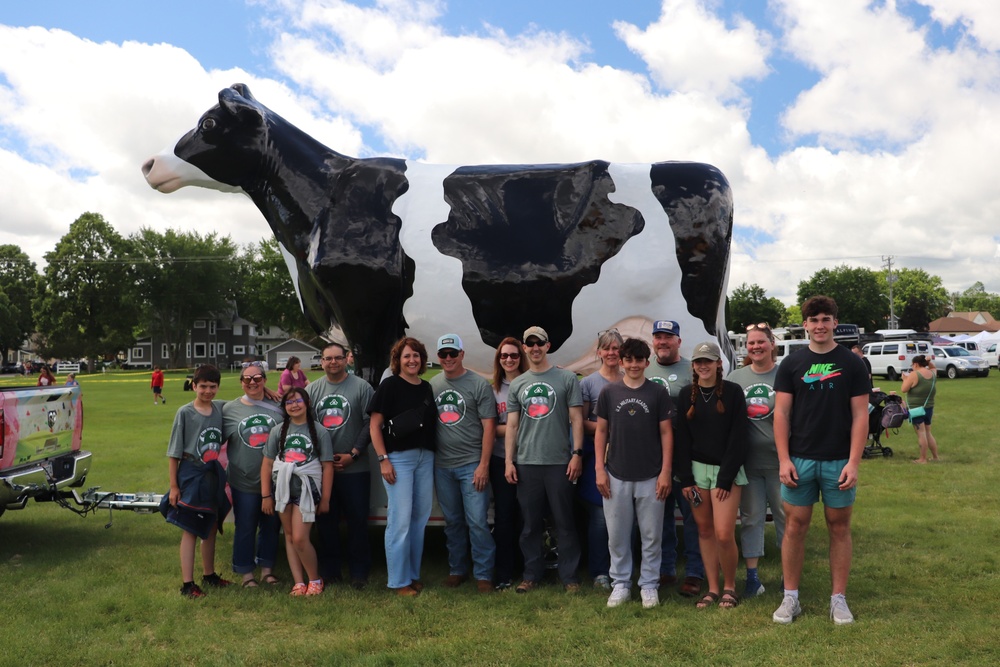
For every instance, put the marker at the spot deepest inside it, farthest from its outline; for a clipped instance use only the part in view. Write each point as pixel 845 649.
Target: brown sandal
pixel 707 600
pixel 729 600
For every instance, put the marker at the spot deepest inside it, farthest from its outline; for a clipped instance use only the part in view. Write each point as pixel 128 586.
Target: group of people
pixel 633 441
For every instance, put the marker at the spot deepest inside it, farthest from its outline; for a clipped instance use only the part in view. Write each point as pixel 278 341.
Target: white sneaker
pixel 788 610
pixel 619 596
pixel 839 612
pixel 650 598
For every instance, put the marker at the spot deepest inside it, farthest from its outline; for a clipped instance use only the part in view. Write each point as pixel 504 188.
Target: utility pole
pixel 890 279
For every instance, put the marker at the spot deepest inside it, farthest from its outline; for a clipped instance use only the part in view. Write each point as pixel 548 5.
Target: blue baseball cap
pixel 449 341
pixel 667 327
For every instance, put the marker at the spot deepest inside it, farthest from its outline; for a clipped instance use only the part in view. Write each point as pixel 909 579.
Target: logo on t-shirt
pixel 538 400
pixel 820 373
pixel 254 430
pixel 298 449
pixel 333 411
pixel 210 444
pixel 450 406
pixel 760 400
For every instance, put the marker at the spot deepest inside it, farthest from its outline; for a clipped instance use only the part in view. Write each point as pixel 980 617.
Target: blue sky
pixel 848 130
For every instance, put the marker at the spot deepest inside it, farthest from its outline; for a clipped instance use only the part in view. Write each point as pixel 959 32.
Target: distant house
pixel 951 326
pixel 223 340
pixel 979 317
pixel 278 355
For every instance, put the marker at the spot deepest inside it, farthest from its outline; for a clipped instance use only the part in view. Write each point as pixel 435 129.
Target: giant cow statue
pixel 385 247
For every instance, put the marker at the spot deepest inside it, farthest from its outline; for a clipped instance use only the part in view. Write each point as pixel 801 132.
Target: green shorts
pixel 817 477
pixel 706 475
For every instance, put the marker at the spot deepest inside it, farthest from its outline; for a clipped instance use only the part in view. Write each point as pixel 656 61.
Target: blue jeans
pixel 251 523
pixel 465 518
pixel 763 488
pixel 506 520
pixel 350 498
pixel 409 509
pixel 693 566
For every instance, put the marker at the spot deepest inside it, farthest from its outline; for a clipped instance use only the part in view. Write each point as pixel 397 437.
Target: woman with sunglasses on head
pixel 297 482
pixel 247 423
pixel 508 363
pixel 763 487
pixel 598 557
pixel 710 449
pixel 403 418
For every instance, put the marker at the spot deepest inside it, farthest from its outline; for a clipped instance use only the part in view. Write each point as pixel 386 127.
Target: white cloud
pixel 691 49
pixel 980 17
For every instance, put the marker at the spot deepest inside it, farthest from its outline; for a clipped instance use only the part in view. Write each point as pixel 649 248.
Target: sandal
pixel 728 600
pixel 250 583
pixel 271 580
pixel 707 600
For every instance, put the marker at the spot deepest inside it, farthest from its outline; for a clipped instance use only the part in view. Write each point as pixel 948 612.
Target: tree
pixel 856 290
pixel 749 304
pixel 18 288
pixel 84 303
pixel 266 295
pixel 976 299
pixel 182 276
pixel 793 315
pixel 918 298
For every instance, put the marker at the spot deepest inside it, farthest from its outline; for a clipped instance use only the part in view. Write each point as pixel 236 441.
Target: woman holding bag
pixel 919 387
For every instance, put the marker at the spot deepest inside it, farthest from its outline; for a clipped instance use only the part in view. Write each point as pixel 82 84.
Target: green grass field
pixel 923 588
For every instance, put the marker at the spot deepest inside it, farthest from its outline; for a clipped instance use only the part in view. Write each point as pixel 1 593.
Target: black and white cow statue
pixel 384 247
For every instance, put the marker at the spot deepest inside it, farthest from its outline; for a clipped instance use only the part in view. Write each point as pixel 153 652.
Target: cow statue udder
pixel 386 247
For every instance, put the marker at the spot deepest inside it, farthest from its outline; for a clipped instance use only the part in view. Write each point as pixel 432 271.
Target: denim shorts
pixel 706 475
pixel 816 477
pixel 925 419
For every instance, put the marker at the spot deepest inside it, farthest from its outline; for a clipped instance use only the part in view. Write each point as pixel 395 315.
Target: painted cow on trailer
pixel 385 247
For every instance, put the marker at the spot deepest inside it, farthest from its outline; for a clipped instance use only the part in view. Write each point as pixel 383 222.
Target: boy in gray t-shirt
pixel 635 438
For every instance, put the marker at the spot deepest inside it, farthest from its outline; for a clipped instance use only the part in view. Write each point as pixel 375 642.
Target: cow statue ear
pixel 243 107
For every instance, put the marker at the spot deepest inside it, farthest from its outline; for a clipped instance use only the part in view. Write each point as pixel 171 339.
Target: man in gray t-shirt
pixel 543 405
pixel 673 371
pixel 340 403
pixel 467 413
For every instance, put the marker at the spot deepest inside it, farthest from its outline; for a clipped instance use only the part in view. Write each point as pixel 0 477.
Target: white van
pixel 890 358
pixel 970 345
pixel 787 347
pixel 990 354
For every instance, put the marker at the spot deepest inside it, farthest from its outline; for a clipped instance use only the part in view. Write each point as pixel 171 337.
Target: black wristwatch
pixel 577 452
pixel 382 457
pixel 354 455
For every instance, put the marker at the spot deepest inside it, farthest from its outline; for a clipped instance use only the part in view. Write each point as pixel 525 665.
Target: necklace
pixel 706 396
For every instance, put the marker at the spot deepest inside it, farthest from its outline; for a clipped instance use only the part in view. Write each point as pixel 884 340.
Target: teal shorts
pixel 817 477
pixel 706 476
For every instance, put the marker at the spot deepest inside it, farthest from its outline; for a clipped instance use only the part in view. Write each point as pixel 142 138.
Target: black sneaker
pixel 191 590
pixel 359 584
pixel 215 581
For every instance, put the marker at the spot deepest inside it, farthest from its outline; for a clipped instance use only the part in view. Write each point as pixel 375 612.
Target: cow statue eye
pixel 208 124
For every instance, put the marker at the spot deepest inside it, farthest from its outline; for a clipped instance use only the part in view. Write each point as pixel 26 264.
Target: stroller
pixel 877 400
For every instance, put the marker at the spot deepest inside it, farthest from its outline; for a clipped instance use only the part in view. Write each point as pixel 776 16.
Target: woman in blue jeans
pixel 763 486
pixel 403 416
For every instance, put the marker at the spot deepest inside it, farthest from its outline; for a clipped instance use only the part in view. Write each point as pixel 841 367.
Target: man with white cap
pixel 543 405
pixel 467 413
pixel 673 371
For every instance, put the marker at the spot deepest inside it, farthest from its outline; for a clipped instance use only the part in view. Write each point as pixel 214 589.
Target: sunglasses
pixel 448 354
pixel 760 325
pixel 247 379
pixel 612 330
pixel 534 343
pixel 294 401
pixel 510 355
pixel 248 364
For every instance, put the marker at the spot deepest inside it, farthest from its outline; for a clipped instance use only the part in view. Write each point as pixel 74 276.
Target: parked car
pixel 990 355
pixel 890 358
pixel 787 347
pixel 11 369
pixel 953 361
pixel 970 345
